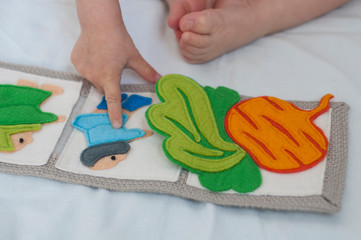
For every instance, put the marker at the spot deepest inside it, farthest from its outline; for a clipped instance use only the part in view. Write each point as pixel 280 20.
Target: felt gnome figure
pixel 20 115
pixel 108 146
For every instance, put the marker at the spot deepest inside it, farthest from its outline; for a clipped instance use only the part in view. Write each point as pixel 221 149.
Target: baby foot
pixel 179 8
pixel 210 33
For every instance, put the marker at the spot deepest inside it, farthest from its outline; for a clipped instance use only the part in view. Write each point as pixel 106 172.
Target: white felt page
pixel 305 183
pixel 145 160
pixel 44 140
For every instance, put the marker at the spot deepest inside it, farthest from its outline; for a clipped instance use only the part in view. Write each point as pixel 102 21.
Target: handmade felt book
pixel 178 137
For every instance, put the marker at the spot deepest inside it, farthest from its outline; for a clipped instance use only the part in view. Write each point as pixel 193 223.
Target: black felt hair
pixel 92 154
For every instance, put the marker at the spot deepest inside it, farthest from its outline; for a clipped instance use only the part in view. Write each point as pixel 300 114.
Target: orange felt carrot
pixel 279 136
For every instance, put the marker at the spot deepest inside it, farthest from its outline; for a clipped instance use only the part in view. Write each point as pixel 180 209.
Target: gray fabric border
pixel 328 202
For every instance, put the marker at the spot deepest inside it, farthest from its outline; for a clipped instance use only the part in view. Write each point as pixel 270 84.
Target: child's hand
pixel 102 58
pixel 104 48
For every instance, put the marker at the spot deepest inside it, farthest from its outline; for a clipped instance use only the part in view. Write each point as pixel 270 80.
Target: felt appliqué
pixel 103 104
pixel 192 123
pixel 98 129
pixel 6 145
pixel 20 112
pixel 131 103
pixel 91 155
pixel 279 136
pixel 135 101
pixel 243 177
pixel 108 146
pixel 20 105
pixel 201 125
pixel 186 118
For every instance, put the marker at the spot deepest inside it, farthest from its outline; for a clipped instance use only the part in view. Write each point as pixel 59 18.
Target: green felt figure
pixel 20 112
pixel 191 119
pixel 6 143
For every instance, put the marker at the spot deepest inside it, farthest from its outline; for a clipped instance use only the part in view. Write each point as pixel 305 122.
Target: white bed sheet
pixel 304 63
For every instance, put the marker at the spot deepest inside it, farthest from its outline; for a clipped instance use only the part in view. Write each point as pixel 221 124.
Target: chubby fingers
pixel 113 97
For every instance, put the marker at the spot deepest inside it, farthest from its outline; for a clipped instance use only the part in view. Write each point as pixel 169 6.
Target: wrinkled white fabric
pixel 303 63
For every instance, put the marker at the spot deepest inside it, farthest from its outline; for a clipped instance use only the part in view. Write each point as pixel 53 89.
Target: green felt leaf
pixel 185 117
pixel 7 131
pixel 20 105
pixel 243 178
pixel 222 99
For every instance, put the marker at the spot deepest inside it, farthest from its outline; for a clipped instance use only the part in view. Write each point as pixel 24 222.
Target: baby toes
pixel 195 40
pixel 194 47
pixel 203 22
pixel 194 55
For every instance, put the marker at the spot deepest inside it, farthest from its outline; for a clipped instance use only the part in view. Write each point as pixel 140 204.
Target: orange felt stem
pixel 322 108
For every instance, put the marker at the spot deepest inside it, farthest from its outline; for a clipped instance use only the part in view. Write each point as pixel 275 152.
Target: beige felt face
pixel 56 90
pixel 27 83
pixel 108 161
pixel 20 140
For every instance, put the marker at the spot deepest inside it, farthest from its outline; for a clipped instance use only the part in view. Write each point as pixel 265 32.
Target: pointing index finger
pixel 113 98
